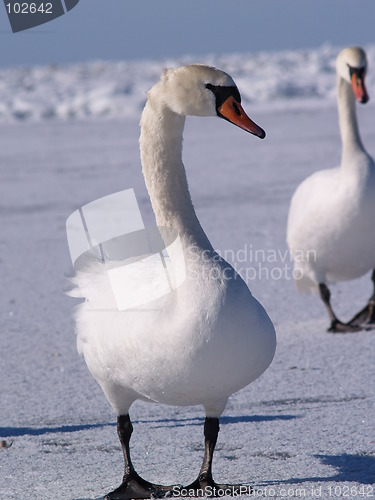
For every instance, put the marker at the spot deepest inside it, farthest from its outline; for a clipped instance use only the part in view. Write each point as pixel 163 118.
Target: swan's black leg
pixel 133 486
pixel 337 326
pixel 204 485
pixel 366 317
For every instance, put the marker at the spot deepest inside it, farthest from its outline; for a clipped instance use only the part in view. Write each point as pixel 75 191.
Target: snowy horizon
pixel 276 80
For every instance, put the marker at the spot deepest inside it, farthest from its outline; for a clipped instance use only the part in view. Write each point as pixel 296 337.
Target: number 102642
pixel 29 8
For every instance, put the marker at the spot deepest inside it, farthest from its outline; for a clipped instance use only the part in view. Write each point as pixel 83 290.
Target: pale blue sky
pixel 132 29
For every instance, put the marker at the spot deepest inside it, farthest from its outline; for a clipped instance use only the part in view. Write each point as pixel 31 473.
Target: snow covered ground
pixel 305 428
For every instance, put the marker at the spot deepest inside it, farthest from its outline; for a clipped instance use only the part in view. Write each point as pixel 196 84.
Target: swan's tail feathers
pixel 304 284
pixel 93 285
pixel 73 289
pixel 305 273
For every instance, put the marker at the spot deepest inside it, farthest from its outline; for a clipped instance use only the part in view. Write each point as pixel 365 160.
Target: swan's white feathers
pixel 184 89
pixel 172 350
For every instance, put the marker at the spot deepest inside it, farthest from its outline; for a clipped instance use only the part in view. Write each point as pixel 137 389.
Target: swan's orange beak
pixel 232 111
pixel 359 88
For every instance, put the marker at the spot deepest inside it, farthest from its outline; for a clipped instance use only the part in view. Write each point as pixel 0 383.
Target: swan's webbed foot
pixel 365 319
pixel 207 487
pixel 338 327
pixel 134 486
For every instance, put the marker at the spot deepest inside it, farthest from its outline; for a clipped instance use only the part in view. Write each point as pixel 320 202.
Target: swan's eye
pixel 358 72
pixel 222 94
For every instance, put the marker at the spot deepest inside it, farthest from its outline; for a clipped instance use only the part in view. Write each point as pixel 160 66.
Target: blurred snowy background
pixel 270 80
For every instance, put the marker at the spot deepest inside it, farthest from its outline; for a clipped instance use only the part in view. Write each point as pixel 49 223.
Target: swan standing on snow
pixel 208 338
pixel 332 213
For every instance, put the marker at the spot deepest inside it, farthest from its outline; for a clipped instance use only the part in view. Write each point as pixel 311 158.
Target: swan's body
pixel 208 338
pixel 172 350
pixel 332 213
pixel 332 217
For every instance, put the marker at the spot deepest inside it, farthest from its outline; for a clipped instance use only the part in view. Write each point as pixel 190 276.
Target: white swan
pixel 210 337
pixel 331 232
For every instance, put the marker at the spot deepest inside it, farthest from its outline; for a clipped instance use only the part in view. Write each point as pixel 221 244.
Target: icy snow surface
pixel 307 425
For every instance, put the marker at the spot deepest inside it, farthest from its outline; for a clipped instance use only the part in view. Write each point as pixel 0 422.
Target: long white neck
pixel 164 173
pixel 350 138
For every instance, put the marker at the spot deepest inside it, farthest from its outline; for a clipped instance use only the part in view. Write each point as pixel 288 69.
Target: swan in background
pixel 331 224
pixel 208 338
